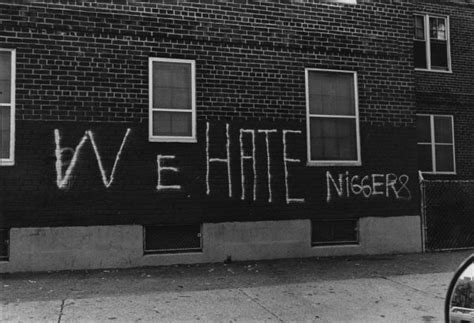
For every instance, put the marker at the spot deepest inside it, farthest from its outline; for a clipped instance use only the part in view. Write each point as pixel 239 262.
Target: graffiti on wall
pixel 250 157
pixel 343 185
pixel 387 185
pixel 161 169
pixel 63 178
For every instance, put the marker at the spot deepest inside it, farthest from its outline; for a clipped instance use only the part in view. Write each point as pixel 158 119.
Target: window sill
pixel 170 253
pixel 340 1
pixel 333 163
pixel 7 162
pixel 439 173
pixel 335 245
pixel 173 139
pixel 433 70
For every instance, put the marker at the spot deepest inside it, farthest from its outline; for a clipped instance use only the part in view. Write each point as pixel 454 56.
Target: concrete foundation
pixel 65 248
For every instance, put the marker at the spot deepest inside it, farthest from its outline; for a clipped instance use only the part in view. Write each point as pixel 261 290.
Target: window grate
pixel 4 244
pixel 334 232
pixel 172 239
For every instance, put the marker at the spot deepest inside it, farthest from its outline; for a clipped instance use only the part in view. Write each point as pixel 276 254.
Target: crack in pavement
pixel 255 300
pixel 70 292
pixel 61 310
pixel 413 288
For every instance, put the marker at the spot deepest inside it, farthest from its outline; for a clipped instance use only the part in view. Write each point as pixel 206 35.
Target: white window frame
pixel 433 144
pixel 10 161
pixel 426 24
pixel 151 137
pixel 341 1
pixel 311 162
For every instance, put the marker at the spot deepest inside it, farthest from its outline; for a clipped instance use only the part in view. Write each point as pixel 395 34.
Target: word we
pixel 387 185
pixel 63 178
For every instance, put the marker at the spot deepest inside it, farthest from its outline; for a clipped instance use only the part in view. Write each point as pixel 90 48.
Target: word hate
pixel 250 156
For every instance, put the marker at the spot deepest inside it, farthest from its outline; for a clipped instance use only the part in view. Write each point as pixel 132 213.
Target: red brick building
pixel 156 132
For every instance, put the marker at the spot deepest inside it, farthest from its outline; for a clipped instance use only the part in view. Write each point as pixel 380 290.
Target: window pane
pixel 419 34
pixel 423 128
pixel 5 76
pixel 334 231
pixel 171 85
pixel 425 161
pixel 172 238
pixel 438 28
pixel 443 130
pixel 5 132
pixel 433 31
pixel 419 22
pixel 331 93
pixel 444 158
pixel 439 56
pixel 420 54
pixel 172 124
pixel 333 138
pixel 419 27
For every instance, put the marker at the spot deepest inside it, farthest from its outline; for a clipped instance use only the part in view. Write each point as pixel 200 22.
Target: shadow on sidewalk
pixel 93 283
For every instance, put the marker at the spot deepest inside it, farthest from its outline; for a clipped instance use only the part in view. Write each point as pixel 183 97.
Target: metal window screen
pixel 5 76
pixel 171 85
pixel 420 53
pixel 331 93
pixel 5 130
pixel 172 239
pixel 334 232
pixel 439 54
pixel 4 244
pixel 333 139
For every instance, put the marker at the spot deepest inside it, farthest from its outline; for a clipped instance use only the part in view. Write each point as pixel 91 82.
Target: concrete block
pixel 65 248
pixel 257 240
pixel 41 249
pixel 391 235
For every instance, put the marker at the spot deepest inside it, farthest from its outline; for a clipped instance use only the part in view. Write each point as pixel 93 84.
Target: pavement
pixel 388 288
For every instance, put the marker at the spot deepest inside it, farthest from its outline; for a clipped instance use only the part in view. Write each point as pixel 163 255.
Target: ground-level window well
pixel 172 238
pixel 4 244
pixel 334 232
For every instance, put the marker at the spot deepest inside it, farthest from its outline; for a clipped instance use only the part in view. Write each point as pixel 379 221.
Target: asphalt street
pixel 389 288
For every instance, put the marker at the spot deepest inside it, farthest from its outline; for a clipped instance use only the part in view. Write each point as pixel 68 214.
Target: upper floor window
pixel 172 106
pixel 436 144
pixel 7 107
pixel 431 43
pixel 332 118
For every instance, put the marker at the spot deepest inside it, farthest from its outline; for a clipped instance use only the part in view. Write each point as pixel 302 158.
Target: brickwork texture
pixel 83 66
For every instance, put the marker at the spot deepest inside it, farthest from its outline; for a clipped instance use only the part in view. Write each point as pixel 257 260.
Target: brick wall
pixel 75 58
pixel 453 93
pixel 84 66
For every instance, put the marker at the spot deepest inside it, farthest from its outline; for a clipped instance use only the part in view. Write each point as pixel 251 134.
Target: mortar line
pixel 413 288
pixel 254 299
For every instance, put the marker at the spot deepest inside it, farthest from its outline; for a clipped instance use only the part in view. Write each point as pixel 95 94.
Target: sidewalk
pixel 393 288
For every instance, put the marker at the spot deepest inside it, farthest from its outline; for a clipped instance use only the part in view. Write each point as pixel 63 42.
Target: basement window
pixel 172 239
pixel 334 232
pixel 4 244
